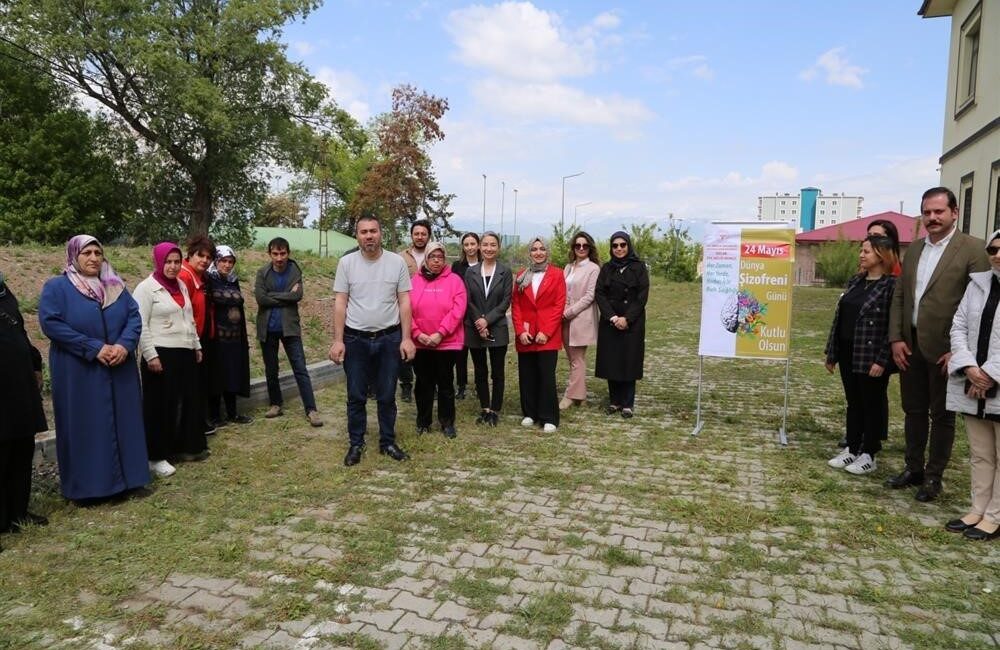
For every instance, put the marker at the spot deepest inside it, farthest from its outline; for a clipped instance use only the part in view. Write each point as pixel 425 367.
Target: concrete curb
pixel 322 374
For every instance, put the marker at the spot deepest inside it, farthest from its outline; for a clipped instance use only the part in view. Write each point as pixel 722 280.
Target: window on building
pixel 782 212
pixel 822 211
pixel 968 60
pixel 822 202
pixel 965 202
pixel 782 203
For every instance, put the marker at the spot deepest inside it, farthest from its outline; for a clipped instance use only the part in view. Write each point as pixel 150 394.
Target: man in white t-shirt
pixel 371 335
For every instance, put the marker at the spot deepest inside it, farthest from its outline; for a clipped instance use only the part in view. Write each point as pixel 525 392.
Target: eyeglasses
pixel 619 245
pixel 582 247
pixel 439 258
pixel 992 250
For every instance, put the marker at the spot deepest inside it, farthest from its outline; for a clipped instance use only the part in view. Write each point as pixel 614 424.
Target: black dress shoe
pixel 393 452
pixel 353 456
pixel 980 535
pixel 241 419
pixel 406 392
pixel 449 431
pixel 929 491
pixel 905 478
pixel 494 419
pixel 958 526
pixel 422 430
pixel 28 519
pixel 460 393
pixel 612 409
pixel 483 418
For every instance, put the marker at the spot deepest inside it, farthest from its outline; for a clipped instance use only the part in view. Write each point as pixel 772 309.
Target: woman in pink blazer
pixel 580 315
pixel 438 303
pixel 537 305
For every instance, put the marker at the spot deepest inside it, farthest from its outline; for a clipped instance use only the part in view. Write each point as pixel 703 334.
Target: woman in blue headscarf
pixel 94 327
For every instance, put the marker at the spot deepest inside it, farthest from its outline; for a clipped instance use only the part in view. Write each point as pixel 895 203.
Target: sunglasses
pixel 582 247
pixel 992 250
pixel 619 245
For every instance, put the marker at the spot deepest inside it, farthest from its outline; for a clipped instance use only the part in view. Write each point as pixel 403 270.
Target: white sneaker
pixel 841 460
pixel 863 464
pixel 162 468
pixel 549 428
pixel 527 422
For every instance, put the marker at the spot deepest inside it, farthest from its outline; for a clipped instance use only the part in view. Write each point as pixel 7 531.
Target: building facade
pixel 810 208
pixel 970 152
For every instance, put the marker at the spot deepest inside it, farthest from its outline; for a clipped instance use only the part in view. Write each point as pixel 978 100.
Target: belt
pixel 371 334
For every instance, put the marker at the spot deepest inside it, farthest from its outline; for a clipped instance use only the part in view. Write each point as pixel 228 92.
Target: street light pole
pixel 515 214
pixel 503 193
pixel 484 202
pixel 562 211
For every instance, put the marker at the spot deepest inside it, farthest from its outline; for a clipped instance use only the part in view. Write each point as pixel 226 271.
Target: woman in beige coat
pixel 580 315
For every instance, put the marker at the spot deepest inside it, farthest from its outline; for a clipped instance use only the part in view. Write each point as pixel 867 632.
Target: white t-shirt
pixel 371 287
pixel 929 258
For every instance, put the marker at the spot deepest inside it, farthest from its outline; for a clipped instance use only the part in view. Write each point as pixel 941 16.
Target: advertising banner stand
pixel 746 307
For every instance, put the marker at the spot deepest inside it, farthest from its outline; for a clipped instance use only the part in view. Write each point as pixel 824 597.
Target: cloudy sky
pixel 665 106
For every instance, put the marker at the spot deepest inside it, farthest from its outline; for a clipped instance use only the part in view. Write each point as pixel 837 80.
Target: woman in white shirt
pixel 171 352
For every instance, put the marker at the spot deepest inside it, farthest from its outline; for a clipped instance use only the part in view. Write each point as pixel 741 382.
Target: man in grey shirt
pixel 371 335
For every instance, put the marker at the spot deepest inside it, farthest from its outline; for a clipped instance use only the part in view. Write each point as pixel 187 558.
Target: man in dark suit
pixel 935 272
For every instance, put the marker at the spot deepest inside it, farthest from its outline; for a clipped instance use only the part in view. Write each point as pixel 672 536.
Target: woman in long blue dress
pixel 94 327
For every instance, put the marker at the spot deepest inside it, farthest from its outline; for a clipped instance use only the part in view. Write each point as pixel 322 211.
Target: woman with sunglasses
pixel 536 312
pixel 973 372
pixel 580 315
pixel 859 343
pixel 621 295
pixel 488 289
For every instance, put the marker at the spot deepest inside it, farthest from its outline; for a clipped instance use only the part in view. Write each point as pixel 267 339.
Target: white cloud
pixel 695 64
pixel 607 20
pixel 520 41
pixel 773 172
pixel 558 101
pixel 303 48
pixel 837 69
pixel 347 90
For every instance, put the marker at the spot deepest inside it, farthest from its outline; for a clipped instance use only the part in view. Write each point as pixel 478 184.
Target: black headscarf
pixel 619 263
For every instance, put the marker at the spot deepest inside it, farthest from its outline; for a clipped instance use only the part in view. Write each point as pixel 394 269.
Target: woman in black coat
pixel 488 289
pixel 229 372
pixel 470 261
pixel 21 414
pixel 621 294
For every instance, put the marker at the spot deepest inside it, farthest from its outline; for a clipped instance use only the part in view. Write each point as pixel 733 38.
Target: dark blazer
pixel 871 331
pixel 962 256
pixel 493 308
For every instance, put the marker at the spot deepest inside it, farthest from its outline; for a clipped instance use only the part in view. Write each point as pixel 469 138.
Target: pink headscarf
pixel 106 287
pixel 160 253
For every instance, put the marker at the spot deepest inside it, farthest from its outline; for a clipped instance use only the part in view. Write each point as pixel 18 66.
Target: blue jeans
pixel 371 362
pixel 297 358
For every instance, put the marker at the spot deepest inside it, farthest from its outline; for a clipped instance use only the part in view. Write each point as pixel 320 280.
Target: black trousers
pixel 536 372
pixel 867 418
pixel 496 372
pixel 405 373
pixel 923 389
pixel 621 393
pixel 434 370
pixel 462 368
pixel 213 405
pixel 15 479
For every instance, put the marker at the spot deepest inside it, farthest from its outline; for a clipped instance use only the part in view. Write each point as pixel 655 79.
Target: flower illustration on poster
pixel 743 315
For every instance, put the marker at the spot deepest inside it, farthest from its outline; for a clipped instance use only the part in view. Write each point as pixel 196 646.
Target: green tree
pixel 57 178
pixel 281 210
pixel 400 186
pixel 837 261
pixel 333 165
pixel 205 83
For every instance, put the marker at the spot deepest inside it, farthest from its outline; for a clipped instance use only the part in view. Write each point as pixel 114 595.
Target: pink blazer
pixel 439 306
pixel 580 315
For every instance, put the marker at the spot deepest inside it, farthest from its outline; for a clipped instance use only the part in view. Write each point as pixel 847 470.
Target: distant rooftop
pixel 857 229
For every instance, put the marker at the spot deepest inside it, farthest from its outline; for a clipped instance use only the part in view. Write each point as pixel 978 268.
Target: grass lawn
pixel 609 533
